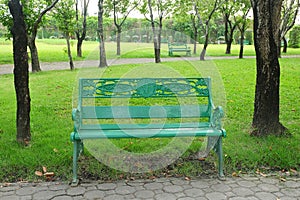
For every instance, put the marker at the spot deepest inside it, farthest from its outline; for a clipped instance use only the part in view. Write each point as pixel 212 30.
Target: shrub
pixel 295 37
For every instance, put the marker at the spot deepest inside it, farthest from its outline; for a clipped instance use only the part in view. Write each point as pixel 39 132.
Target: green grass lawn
pixel 233 85
pixel 55 50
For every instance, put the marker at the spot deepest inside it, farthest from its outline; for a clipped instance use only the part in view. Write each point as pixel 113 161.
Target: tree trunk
pixel 229 41
pixel 226 34
pixel 21 74
pixel 266 40
pixel 103 62
pixel 81 38
pixel 203 52
pixel 284 45
pixel 35 63
pixel 242 45
pixel 156 36
pixel 69 52
pixel 119 31
pixel 228 47
pixel 195 29
pixel 195 43
pixel 79 46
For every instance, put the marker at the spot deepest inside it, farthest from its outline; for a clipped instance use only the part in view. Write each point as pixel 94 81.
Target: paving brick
pixel 216 195
pixel 145 194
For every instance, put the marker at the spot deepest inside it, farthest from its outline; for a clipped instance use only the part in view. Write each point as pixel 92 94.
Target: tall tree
pixel 267 15
pixel 242 22
pixel 81 24
pixel 229 10
pixel 205 9
pixel 33 24
pixel 186 10
pixel 121 10
pixel 65 17
pixel 289 13
pixel 34 11
pixel 21 74
pixel 103 62
pixel 162 8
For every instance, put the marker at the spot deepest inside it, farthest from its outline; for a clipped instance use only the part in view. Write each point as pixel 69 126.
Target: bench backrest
pixel 144 98
pixel 177 45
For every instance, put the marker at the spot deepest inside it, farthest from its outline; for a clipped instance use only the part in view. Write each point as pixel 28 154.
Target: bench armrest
pixel 217 115
pixel 76 118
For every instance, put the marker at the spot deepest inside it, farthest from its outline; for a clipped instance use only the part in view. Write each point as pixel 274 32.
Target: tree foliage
pixel 120 11
pixel 205 10
pixel 155 11
pixel 242 22
pixel 290 9
pixel 34 12
pixel 65 17
pixel 81 27
pixel 295 37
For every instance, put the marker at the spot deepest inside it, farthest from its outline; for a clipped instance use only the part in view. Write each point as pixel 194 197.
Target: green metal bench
pixel 179 47
pixel 178 98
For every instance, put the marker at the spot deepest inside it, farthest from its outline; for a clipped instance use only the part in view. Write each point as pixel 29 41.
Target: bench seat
pixel 96 133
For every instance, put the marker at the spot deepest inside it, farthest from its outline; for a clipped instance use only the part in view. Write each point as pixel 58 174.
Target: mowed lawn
pixel 55 50
pixel 53 94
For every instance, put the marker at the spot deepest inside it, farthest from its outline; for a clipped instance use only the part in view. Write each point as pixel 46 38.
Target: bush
pixel 295 37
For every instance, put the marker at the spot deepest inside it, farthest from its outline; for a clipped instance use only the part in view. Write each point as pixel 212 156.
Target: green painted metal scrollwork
pixel 145 88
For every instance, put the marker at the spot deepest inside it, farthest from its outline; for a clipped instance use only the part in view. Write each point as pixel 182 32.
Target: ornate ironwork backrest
pixel 144 87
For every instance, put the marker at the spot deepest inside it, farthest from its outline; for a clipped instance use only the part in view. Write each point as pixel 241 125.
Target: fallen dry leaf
pixel 282 179
pixel 234 174
pixel 262 174
pixel 44 169
pixel 49 174
pixel 187 178
pixel 38 173
pixel 293 171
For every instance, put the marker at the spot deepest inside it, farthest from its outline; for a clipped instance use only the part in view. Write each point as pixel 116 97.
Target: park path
pixel 46 66
pixel 234 188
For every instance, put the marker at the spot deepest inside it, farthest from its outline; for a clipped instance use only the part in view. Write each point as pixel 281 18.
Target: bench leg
pixel 76 152
pixel 219 151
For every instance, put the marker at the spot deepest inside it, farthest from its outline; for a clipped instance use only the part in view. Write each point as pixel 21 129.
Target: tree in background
pixel 289 14
pixel 267 14
pixel 21 74
pixel 81 24
pixel 205 9
pixel 295 37
pixel 103 62
pixel 65 17
pixel 34 11
pixel 229 9
pixel 121 10
pixel 242 22
pixel 185 12
pixel 163 8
